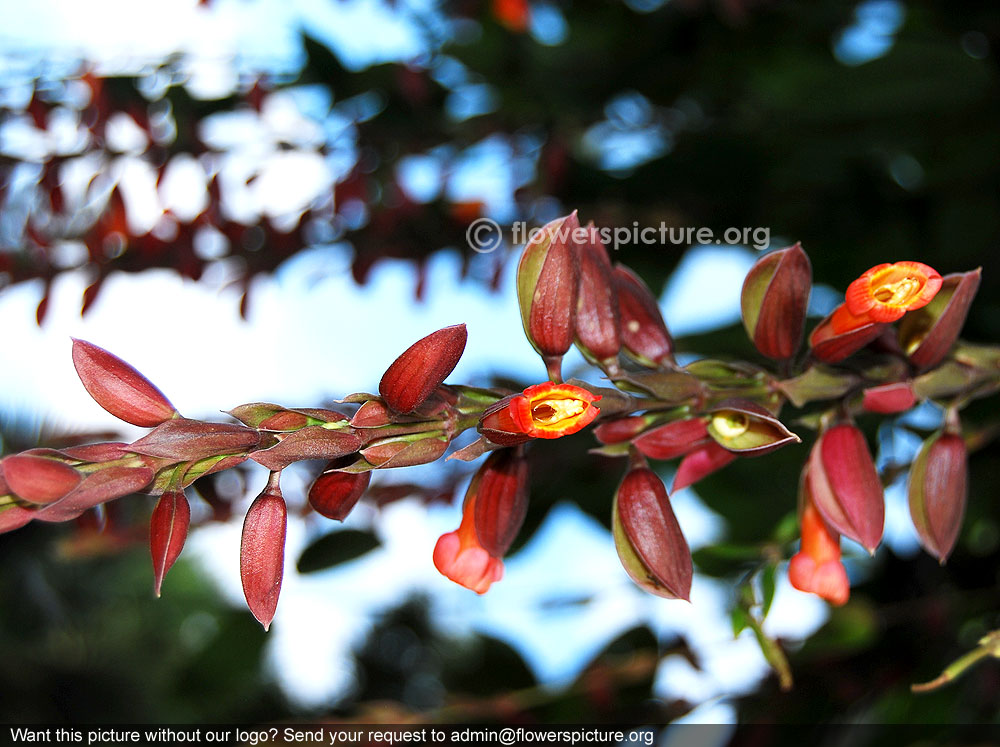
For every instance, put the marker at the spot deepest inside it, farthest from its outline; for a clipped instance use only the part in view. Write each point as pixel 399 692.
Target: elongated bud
pixel 459 557
pixel 406 451
pixel 621 429
pixel 185 440
pixel 701 462
pixel 748 429
pixel 938 491
pixel 277 418
pixel 774 301
pixel 926 335
pixel 37 479
pixel 839 335
pixel 422 368
pixel 262 552
pixel 648 538
pixel 673 439
pixel 168 529
pixel 597 324
pixel 501 500
pixel 816 568
pixel 888 399
pixel 106 484
pixel 312 442
pixel 845 486
pixel 334 494
pixel 644 333
pixel 547 287
pixel 119 388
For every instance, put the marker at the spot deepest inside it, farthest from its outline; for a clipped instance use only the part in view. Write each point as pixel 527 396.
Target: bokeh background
pixel 254 200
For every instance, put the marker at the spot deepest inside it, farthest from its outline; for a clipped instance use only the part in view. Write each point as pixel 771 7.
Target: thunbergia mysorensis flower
pixel 460 556
pixel 887 291
pixel 816 567
pixel 546 410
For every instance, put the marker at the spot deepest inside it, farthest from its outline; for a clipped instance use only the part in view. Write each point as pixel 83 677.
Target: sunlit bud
pixel 672 439
pixel 700 462
pixel 422 368
pixel 37 479
pixel 887 291
pixel 598 330
pixel 888 399
pixel 500 488
pixel 542 411
pixel 648 538
pixel 106 484
pixel 184 440
pixel 168 528
pixel 262 552
pixel 845 487
pixel 119 388
pixel 774 300
pixel 840 335
pixel 938 491
pixel 928 334
pixel 816 568
pixel 547 287
pixel 313 442
pixel 372 414
pixel 334 494
pixel 407 450
pixel 644 333
pixel 461 558
pixel 747 428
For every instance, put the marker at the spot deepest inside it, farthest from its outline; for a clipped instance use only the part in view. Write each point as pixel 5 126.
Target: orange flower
pixel 460 557
pixel 886 292
pixel 816 568
pixel 546 410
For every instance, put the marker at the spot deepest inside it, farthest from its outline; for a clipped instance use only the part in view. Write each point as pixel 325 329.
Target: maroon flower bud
pixel 372 414
pixel 621 429
pixel 888 399
pixel 927 334
pixel 644 333
pixel 774 300
pixel 831 343
pixel 406 451
pixel 748 429
pixel 314 442
pixel 547 287
pixel 673 439
pixel 185 440
pixel 598 329
pixel 262 552
pixel 500 488
pixel 701 462
pixel 648 538
pixel 119 388
pixel 168 529
pixel 938 491
pixel 422 368
pixel 334 494
pixel 38 479
pixel 106 484
pixel 845 486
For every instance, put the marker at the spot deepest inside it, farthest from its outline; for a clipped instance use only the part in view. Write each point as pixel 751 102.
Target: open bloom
pixel 887 291
pixel 460 557
pixel 546 410
pixel 816 568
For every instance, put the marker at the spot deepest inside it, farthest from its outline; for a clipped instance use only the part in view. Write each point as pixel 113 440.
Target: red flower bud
pixel 816 568
pixel 262 552
pixel 500 488
pixel 106 484
pixel 887 291
pixel 333 494
pixel 168 528
pixel 840 335
pixel 673 439
pixel 701 462
pixel 888 399
pixel 928 334
pixel 542 411
pixel 621 429
pixel 774 300
pixel 598 329
pixel 406 451
pixel 37 479
pixel 648 538
pixel 845 487
pixel 119 388
pixel 938 491
pixel 644 333
pixel 547 287
pixel 313 442
pixel 461 558
pixel 422 368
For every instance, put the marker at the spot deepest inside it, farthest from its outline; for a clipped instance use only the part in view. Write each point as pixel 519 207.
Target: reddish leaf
pixel 184 440
pixel 672 440
pixel 168 528
pixel 699 463
pixel 314 442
